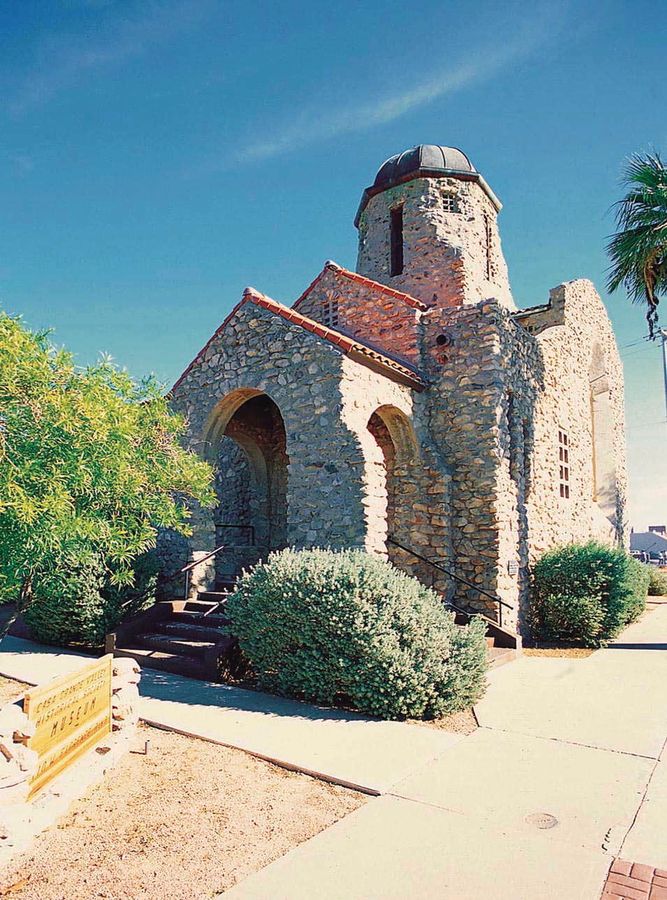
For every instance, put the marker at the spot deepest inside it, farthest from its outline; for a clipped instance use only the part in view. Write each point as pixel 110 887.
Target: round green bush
pixel 585 593
pixel 347 628
pixel 657 584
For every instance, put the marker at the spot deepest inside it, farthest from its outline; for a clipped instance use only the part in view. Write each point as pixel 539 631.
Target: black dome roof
pixel 430 157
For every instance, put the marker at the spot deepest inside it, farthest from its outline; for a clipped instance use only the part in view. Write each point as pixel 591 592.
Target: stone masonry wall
pixel 571 355
pixel 320 394
pixel 365 313
pixel 445 253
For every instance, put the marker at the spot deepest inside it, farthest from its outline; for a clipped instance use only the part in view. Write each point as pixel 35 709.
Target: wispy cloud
pixel 67 60
pixel 481 64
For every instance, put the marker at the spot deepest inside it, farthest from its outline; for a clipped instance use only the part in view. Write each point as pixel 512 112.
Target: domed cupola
pixel 427 225
pixel 418 160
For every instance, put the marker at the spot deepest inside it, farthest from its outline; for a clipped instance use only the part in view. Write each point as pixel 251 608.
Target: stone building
pixel 411 401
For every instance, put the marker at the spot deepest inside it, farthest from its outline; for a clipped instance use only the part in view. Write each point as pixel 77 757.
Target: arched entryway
pixel 247 447
pixel 394 479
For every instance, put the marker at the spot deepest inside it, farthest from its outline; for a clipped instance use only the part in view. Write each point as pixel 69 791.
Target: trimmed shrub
pixel 76 604
pixel 636 586
pixel 585 593
pixel 68 606
pixel 347 628
pixel 657 581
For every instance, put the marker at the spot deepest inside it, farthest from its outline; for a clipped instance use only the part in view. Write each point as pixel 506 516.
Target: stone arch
pixel 393 481
pixel 603 454
pixel 245 440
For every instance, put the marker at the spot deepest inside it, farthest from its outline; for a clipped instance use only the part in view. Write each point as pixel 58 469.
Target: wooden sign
pixel 71 714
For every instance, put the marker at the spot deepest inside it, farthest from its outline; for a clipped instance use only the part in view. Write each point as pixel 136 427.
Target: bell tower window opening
pixel 450 203
pixel 330 313
pixel 396 241
pixel 564 464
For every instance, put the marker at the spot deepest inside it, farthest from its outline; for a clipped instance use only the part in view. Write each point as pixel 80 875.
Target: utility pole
pixel 663 335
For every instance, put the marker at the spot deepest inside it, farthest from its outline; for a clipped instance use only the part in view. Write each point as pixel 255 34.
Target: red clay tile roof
pixel 362 353
pixel 368 282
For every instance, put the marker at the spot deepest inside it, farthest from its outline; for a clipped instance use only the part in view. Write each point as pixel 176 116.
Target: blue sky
pixel 156 157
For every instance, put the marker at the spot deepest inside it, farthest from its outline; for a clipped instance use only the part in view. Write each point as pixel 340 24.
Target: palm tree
pixel 638 249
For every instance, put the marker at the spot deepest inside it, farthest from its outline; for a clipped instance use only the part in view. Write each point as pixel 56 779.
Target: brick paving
pixel 634 881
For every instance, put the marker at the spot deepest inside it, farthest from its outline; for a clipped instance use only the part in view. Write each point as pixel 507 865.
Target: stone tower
pixel 428 226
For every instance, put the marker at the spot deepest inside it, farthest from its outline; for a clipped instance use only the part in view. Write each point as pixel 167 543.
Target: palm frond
pixel 638 249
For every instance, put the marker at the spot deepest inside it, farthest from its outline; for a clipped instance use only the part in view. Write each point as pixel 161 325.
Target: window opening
pixel 396 235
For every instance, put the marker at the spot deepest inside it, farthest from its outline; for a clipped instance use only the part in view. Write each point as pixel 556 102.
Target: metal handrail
pixel 458 578
pixel 193 565
pixel 184 571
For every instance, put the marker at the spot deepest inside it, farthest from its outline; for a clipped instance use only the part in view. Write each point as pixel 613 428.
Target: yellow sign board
pixel 71 714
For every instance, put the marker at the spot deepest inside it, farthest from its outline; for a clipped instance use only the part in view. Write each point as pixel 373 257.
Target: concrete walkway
pixel 337 746
pixel 567 771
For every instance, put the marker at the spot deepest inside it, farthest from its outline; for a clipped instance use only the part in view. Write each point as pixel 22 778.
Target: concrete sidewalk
pixel 335 745
pixel 567 771
pixel 563 776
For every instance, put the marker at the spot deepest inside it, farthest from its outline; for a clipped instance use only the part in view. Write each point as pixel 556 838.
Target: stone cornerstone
pixel 411 403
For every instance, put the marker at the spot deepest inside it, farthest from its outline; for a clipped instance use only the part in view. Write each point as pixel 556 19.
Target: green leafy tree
pixel 638 249
pixel 90 465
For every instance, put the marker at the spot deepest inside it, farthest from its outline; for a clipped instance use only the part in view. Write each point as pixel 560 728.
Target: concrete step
pixel 201 606
pixel 216 597
pixel 175 663
pixel 164 643
pixel 194 618
pixel 498 656
pixel 193 631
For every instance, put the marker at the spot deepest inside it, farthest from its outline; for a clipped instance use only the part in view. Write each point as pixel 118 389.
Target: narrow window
pixel 489 242
pixel 396 240
pixel 564 464
pixel 450 203
pixel 330 313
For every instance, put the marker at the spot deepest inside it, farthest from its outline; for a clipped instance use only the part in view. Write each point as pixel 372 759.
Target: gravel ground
pixel 572 652
pixel 183 823
pixel 10 690
pixel 461 722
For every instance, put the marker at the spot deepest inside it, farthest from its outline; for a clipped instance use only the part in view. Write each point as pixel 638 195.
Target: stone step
pixel 175 663
pixel 164 643
pixel 193 631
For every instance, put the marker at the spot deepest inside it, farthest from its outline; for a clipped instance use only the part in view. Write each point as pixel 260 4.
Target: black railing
pixel 466 612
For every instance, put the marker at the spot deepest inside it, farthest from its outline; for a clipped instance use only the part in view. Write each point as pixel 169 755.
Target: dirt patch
pixel 185 822
pixel 568 652
pixel 463 722
pixel 11 690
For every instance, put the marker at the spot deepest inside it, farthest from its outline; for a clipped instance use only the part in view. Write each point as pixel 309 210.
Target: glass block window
pixel 450 203
pixel 330 313
pixel 564 464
